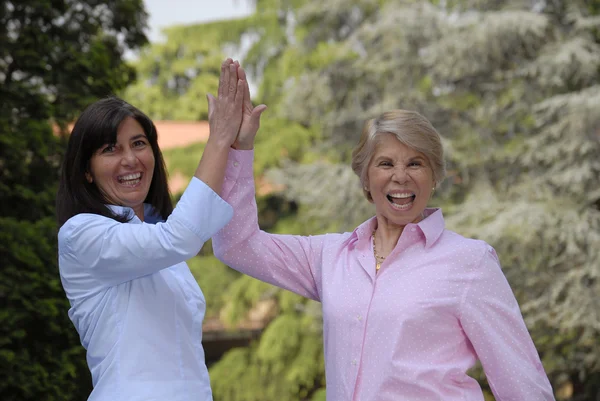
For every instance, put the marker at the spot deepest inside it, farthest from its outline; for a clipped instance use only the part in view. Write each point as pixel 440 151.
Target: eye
pixel 385 163
pixel 415 163
pixel 139 143
pixel 108 149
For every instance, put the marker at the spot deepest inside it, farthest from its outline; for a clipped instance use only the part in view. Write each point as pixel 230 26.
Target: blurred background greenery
pixel 512 85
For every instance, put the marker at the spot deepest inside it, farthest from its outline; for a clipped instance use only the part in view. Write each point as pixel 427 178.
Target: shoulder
pixel 78 225
pixel 329 242
pixel 337 239
pixel 469 251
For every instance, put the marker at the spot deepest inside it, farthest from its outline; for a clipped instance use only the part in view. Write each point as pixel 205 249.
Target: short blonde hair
pixel 410 128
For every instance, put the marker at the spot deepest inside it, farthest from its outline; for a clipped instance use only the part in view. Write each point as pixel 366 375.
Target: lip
pixel 405 195
pixel 125 185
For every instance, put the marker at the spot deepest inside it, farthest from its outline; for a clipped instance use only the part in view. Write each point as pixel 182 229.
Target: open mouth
pixel 402 200
pixel 130 179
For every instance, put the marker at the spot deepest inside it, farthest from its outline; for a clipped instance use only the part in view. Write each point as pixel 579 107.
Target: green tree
pixel 55 57
pixel 175 75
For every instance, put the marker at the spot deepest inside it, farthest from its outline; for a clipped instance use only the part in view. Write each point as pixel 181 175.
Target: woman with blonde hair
pixel 408 306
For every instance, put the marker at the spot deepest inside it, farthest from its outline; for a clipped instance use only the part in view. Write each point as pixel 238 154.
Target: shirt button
pixel 358 317
pixel 354 362
pixel 236 164
pixel 413 229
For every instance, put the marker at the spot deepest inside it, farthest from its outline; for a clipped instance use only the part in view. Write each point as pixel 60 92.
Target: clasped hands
pixel 231 116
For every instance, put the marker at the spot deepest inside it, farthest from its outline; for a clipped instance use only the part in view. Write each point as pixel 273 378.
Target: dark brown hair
pixel 96 127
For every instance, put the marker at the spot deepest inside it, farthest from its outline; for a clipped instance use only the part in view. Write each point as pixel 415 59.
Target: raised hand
pixel 250 117
pixel 225 112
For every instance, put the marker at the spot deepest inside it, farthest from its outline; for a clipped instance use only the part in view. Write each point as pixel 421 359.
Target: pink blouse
pixel 439 302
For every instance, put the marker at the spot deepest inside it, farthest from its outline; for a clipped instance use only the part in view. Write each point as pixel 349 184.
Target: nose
pixel 400 174
pixel 129 158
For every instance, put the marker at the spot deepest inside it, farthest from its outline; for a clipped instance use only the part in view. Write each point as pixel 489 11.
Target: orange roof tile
pixel 172 134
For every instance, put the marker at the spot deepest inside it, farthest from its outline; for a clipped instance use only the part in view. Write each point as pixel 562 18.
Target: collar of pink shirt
pixel 431 227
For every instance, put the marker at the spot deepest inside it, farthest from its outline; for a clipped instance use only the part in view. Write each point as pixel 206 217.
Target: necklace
pixel 378 259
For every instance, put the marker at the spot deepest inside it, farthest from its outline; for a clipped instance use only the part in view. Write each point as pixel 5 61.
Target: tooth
pixel 131 176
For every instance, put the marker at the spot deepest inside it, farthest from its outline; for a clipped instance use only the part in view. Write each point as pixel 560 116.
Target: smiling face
pixel 123 171
pixel 400 181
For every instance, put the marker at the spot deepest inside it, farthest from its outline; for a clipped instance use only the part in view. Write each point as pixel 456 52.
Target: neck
pixel 139 212
pixel 387 235
pixel 386 238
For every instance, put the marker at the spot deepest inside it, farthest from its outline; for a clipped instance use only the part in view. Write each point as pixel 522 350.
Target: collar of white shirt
pixel 151 216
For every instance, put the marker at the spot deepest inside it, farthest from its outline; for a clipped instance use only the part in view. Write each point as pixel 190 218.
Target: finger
pixel 224 87
pixel 233 79
pixel 247 100
pixel 241 73
pixel 211 104
pixel 256 113
pixel 224 78
pixel 239 95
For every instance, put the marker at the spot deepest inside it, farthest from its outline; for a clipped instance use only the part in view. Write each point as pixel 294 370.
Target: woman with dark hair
pixel 122 246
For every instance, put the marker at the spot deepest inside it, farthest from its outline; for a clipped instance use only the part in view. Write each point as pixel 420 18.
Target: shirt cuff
pixel 202 210
pixel 239 164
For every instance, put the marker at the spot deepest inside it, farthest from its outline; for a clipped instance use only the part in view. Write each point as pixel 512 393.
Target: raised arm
pixel 290 262
pixel 287 261
pixel 95 251
pixel 492 320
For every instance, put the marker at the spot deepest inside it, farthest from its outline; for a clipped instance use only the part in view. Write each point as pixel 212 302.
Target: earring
pixel 366 189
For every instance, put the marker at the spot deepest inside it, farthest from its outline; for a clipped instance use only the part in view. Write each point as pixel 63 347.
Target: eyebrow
pixel 386 157
pixel 138 136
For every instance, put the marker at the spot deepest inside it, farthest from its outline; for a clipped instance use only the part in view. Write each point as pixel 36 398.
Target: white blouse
pixel 134 302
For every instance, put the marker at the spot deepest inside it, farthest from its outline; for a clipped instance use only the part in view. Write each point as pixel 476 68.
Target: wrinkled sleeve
pixel 96 251
pixel 492 320
pixel 287 261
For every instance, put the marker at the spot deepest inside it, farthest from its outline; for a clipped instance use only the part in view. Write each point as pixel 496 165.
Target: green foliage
pixel 319 395
pixel 288 141
pixel 175 75
pixel 184 160
pixel 55 58
pixel 214 279
pixel 242 295
pixel 39 349
pixel 287 364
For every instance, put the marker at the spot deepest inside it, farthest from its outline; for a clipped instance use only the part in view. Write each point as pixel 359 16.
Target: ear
pixel 366 189
pixel 89 177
